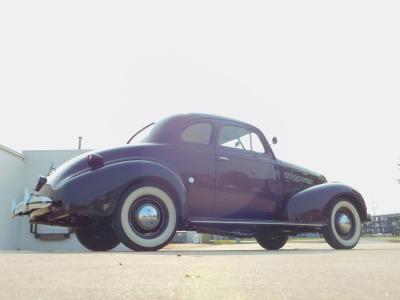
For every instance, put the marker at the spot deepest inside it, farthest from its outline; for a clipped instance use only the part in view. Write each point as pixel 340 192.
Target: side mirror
pixel 274 140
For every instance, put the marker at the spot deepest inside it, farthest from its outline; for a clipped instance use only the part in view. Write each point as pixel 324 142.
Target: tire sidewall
pixel 345 243
pixel 124 229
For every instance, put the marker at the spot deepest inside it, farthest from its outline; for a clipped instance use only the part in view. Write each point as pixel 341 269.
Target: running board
pixel 252 222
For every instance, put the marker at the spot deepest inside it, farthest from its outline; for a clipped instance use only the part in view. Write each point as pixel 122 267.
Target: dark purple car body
pixel 216 188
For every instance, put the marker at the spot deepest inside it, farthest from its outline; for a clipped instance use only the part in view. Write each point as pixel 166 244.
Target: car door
pixel 248 184
pixel 194 159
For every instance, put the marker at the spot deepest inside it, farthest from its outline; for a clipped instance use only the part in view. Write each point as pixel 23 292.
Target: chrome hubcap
pixel 344 223
pixel 148 216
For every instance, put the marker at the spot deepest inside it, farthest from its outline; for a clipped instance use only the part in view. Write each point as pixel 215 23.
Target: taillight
pixel 95 161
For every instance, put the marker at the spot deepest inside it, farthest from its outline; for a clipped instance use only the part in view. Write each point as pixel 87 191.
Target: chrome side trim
pixel 223 158
pixel 256 222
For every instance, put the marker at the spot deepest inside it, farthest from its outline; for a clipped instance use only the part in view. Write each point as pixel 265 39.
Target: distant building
pixel 383 224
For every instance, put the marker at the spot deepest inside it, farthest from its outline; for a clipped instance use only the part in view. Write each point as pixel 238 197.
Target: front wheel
pixel 145 218
pixel 271 242
pixel 344 228
pixel 99 237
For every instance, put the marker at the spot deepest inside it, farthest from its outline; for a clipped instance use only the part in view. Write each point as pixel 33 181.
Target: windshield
pixel 141 134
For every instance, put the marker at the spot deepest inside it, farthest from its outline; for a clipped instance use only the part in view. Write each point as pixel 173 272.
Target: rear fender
pixel 96 192
pixel 313 204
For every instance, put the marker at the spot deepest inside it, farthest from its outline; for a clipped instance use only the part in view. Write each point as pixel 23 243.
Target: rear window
pixel 199 133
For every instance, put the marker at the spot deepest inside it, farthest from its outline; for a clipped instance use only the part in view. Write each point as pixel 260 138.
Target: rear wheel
pixel 99 237
pixel 344 228
pixel 271 242
pixel 145 218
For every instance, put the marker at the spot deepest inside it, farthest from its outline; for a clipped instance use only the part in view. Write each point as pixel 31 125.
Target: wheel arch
pixel 97 192
pixel 313 204
pixel 352 198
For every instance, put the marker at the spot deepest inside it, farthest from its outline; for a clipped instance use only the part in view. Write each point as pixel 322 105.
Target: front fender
pixel 96 192
pixel 312 205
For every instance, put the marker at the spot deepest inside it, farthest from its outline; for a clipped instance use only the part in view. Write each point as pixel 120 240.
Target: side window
pixel 199 133
pixel 240 138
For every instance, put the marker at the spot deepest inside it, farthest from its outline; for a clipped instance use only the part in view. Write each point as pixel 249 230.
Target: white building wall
pixel 11 186
pixel 38 162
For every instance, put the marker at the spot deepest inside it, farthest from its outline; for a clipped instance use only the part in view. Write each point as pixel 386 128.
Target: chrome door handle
pixel 223 158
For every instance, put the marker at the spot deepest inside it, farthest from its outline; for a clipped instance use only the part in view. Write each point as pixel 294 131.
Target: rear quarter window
pixel 199 133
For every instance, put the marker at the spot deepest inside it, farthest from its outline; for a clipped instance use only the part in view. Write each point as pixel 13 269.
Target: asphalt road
pixel 240 271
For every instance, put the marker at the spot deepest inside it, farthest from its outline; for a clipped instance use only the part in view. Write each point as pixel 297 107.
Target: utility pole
pixel 80 143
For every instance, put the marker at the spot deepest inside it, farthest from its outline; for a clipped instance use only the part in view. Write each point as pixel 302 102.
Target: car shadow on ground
pixel 194 252
pixel 238 252
pixel 223 250
pixel 245 252
pixel 202 252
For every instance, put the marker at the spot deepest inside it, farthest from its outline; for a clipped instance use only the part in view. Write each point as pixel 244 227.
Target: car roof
pixel 169 128
pixel 193 116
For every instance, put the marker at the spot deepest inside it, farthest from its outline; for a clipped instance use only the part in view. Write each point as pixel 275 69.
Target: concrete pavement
pixel 239 271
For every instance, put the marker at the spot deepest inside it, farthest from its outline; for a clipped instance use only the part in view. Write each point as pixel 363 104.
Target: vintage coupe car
pixel 193 172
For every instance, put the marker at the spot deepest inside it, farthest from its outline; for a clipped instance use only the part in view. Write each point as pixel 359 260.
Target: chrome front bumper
pixel 32 204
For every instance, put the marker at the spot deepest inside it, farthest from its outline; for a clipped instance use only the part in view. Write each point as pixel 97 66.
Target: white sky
pixel 323 77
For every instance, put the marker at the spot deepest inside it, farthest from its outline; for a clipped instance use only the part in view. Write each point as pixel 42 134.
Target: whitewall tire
pixel 344 228
pixel 145 218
